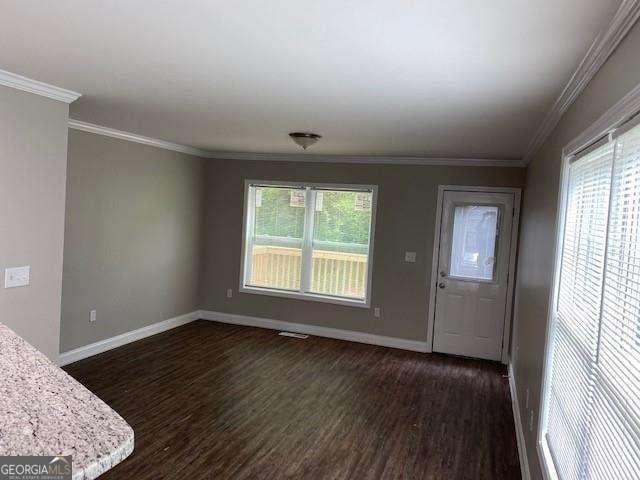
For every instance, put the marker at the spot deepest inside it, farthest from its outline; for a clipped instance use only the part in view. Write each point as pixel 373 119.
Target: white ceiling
pixel 457 78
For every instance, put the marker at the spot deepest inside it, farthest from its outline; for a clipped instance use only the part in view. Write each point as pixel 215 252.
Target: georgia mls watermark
pixel 35 468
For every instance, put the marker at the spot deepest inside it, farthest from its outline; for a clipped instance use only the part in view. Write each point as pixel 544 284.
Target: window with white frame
pixel 590 425
pixel 310 241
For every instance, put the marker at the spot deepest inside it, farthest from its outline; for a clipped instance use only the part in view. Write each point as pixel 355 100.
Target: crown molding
pixel 370 159
pixel 601 49
pixel 134 137
pixel 626 108
pixel 25 84
pixel 296 157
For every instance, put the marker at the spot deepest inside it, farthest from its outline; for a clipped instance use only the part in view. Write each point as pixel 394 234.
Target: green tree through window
pixel 340 221
pixel 275 216
pixel 339 217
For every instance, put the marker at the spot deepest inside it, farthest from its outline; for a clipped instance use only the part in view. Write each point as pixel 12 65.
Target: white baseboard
pixel 318 331
pixel 522 448
pixel 92 349
pixel 76 354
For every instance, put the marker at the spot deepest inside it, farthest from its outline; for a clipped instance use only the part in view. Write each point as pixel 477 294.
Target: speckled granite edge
pixel 103 464
pixel 44 411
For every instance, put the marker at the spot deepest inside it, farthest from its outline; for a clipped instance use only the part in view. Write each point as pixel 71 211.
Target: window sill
pixel 313 297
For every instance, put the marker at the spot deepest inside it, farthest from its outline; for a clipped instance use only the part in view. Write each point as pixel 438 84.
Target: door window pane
pixel 474 241
pixel 342 222
pixel 276 243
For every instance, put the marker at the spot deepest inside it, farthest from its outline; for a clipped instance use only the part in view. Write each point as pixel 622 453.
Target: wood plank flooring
pixel 214 401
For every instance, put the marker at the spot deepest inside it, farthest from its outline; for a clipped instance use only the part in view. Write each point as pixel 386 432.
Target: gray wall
pixel 33 164
pixel 537 236
pixel 132 241
pixel 405 221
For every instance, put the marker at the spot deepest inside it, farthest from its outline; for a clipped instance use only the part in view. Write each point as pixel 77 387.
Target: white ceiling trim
pixel 621 112
pixel 601 49
pixel 294 157
pixel 134 137
pixel 25 84
pixel 369 159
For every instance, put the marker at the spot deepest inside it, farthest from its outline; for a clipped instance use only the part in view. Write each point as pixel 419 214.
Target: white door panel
pixel 454 303
pixel 485 324
pixel 473 268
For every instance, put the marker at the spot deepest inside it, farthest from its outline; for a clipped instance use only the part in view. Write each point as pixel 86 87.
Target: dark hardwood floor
pixel 214 401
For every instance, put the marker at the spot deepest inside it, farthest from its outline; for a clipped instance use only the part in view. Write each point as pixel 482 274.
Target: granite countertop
pixel 43 411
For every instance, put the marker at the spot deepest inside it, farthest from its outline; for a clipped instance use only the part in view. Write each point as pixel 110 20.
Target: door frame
pixel 433 277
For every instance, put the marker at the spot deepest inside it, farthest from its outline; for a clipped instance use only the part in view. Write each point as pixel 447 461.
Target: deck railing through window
pixel 338 268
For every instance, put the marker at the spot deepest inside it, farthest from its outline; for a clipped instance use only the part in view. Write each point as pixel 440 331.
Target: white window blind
pixel 592 400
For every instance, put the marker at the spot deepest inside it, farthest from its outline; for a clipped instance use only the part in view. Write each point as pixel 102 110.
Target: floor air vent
pixel 294 335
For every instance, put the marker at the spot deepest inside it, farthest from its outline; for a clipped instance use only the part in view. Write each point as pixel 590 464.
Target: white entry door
pixel 473 270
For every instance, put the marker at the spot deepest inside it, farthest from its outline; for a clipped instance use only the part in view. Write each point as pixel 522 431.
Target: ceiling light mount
pixel 305 139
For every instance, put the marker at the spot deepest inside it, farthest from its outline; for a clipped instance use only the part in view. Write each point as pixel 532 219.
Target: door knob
pixel 441 285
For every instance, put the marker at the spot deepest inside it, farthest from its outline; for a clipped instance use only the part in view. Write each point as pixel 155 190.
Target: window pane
pixel 276 238
pixel 617 417
pixel 593 422
pixel 582 261
pixel 570 407
pixel 340 254
pixel 474 242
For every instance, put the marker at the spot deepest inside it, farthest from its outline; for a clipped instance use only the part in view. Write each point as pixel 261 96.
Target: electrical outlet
pixel 229 293
pixel 377 312
pixel 531 421
pixel 92 316
pixel 526 399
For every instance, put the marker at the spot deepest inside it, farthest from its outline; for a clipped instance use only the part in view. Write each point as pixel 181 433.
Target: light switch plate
pixel 410 257
pixel 17 277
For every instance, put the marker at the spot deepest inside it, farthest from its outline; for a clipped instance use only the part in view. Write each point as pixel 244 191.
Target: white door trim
pixel 517 194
